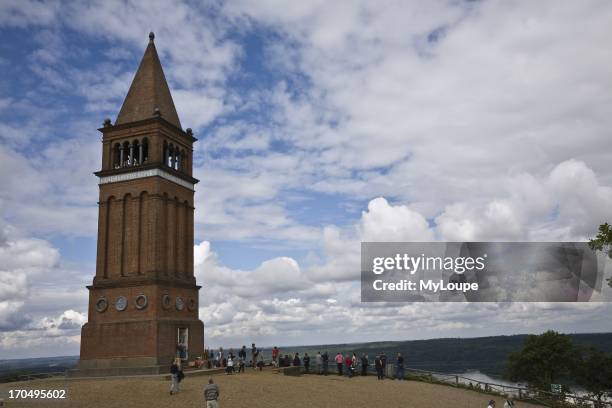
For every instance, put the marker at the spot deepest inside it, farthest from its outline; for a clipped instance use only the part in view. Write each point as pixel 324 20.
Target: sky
pixel 320 125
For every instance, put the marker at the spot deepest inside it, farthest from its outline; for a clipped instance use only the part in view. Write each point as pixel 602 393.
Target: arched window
pixel 171 158
pixel 144 151
pixel 177 158
pixel 134 153
pixel 115 155
pixel 124 154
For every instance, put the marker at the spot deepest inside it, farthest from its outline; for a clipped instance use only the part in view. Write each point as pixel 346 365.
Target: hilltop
pixel 260 389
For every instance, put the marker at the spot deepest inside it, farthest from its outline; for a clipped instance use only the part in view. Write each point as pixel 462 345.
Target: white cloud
pixel 488 118
pixel 383 222
pixel 58 333
pixel 566 204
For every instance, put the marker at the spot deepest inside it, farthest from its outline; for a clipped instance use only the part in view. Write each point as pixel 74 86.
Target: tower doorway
pixel 182 343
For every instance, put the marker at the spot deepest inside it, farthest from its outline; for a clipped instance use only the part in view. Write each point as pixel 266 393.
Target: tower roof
pixel 149 91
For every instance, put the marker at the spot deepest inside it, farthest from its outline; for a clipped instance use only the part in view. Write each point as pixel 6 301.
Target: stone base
pixel 119 367
pixel 292 371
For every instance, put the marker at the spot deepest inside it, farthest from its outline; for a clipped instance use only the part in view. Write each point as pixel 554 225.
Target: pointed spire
pixel 149 94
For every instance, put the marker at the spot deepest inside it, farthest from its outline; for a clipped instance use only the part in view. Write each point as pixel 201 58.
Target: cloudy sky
pixel 320 124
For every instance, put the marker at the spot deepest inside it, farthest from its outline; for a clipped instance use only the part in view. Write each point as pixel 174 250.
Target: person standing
pixel 339 362
pixel 383 359
pixel 221 357
pixel 296 360
pixel 241 364
pixel 254 355
pixel 230 366
pixel 378 366
pixel 306 360
pixel 319 363
pixel 399 367
pixel 275 353
pixel 364 364
pixel 211 394
pixel 175 376
pixel 348 361
pixel 325 360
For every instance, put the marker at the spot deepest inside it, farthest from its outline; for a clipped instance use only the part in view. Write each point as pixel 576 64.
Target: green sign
pixel 556 388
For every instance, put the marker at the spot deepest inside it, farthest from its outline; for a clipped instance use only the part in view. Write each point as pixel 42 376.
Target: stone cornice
pixel 139 172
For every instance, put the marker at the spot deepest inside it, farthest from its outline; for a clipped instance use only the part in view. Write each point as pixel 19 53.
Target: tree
pixel 594 373
pixel 544 360
pixel 603 242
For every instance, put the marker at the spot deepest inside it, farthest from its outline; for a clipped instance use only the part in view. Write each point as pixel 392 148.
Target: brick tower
pixel 143 303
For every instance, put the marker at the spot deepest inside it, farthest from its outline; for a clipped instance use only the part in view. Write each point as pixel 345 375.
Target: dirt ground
pixel 254 390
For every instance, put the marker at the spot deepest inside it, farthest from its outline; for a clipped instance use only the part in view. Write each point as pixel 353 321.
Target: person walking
pixel 319 363
pixel 339 362
pixel 378 366
pixel 325 360
pixel 211 394
pixel 399 367
pixel 306 361
pixel 176 373
pixel 364 364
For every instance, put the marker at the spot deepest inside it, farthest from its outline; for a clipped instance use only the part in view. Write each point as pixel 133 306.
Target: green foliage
pixel 544 359
pixel 603 242
pixel 594 373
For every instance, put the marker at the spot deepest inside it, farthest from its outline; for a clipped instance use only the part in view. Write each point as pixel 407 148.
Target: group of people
pixel 278 360
pixel 348 365
pixel 233 362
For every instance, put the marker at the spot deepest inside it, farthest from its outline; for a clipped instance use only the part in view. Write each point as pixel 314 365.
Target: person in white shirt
pixel 230 366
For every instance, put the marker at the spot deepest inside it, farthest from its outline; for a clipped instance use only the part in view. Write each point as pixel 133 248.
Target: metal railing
pixel 542 397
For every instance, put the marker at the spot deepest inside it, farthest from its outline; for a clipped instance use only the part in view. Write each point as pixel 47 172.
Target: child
pixel 230 366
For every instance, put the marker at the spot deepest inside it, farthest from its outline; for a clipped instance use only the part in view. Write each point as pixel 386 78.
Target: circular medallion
pixel 141 301
pixel 180 303
pixel 166 302
pixel 191 304
pixel 101 304
pixel 121 303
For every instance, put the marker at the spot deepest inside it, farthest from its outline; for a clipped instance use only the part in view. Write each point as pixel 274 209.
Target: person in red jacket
pixel 348 362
